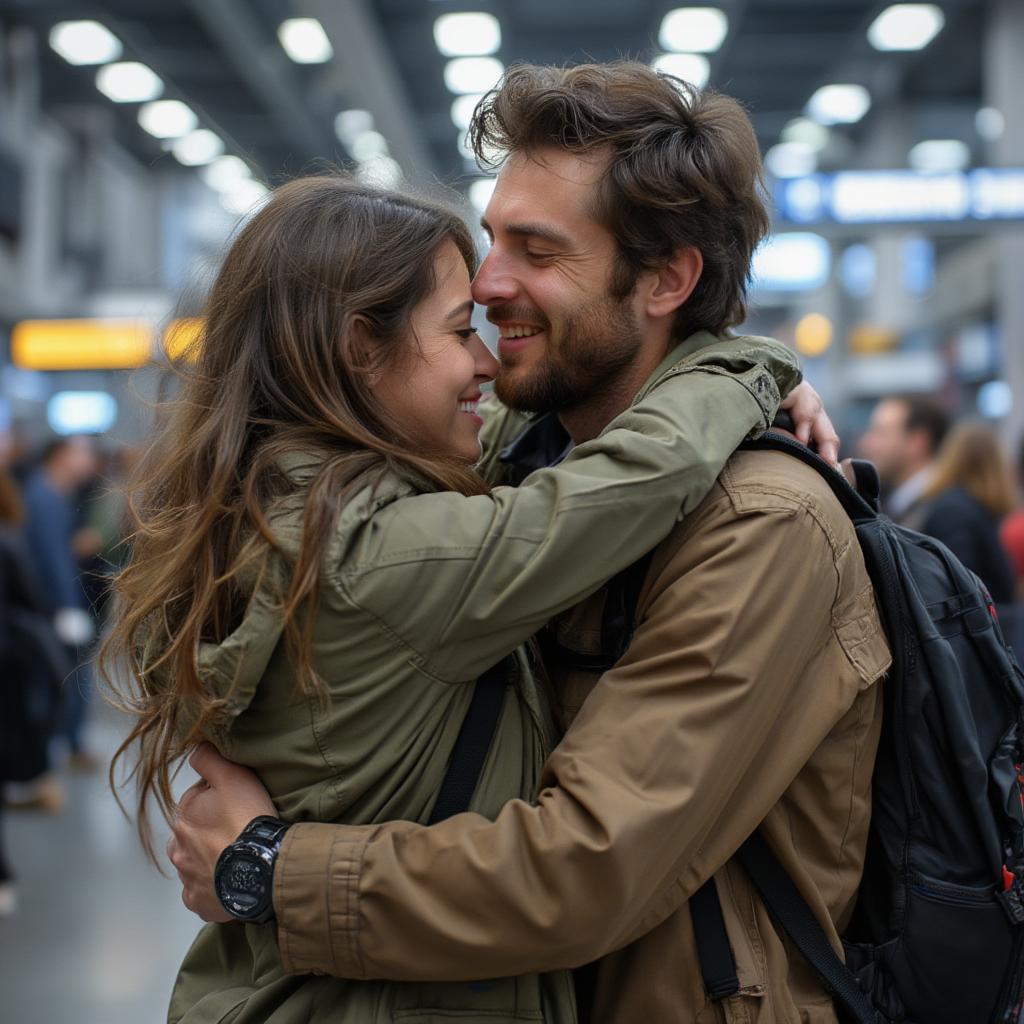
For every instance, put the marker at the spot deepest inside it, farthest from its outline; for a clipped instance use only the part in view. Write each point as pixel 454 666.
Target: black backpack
pixel 938 933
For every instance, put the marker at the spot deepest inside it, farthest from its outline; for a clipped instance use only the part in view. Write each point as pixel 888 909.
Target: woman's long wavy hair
pixel 314 297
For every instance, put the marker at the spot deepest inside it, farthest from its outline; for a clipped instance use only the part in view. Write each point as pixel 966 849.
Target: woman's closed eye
pixel 466 333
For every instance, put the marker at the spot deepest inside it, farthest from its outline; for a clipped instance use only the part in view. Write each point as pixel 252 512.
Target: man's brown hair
pixel 684 169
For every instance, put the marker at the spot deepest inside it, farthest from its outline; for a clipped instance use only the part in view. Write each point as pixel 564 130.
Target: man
pixel 622 228
pixel 902 439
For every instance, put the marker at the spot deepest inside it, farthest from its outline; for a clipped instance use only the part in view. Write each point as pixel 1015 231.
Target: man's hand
pixel 812 425
pixel 210 816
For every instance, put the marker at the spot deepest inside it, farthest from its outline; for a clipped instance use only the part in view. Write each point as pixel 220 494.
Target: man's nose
pixel 494 284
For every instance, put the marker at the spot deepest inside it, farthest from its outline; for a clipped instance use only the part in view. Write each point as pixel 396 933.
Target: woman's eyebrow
pixel 460 310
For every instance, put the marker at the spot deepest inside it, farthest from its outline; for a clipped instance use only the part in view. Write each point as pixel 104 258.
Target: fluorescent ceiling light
pixel 81 412
pixel 349 124
pixel 480 192
pixel 243 197
pixel 690 67
pixel 939 155
pixel 84 42
pixel 224 174
pixel 199 147
pixel 368 146
pixel 839 104
pixel 791 160
pixel 794 261
pixel 167 119
pixel 990 124
pixel 472 74
pixel 305 41
pixel 693 29
pixel 810 133
pixel 906 27
pixel 467 35
pixel 128 82
pixel 463 107
pixel 381 171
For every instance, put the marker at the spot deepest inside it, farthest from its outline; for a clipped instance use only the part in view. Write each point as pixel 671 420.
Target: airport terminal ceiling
pixel 222 58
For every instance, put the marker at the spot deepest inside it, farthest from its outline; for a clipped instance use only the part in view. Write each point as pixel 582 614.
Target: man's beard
pixel 582 363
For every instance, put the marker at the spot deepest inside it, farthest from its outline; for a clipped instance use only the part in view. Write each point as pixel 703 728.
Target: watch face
pixel 242 884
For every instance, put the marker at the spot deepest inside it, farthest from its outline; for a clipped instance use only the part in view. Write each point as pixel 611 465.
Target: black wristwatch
pixel 244 874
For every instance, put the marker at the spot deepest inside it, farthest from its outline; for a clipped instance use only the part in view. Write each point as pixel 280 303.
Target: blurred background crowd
pixel 134 137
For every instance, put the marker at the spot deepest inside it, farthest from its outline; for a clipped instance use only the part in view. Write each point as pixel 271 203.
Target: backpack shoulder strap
pixel 859 503
pixel 472 743
pixel 791 912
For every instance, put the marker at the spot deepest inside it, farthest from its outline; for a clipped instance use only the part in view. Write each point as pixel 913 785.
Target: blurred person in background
pixel 32 668
pixel 100 543
pixel 318 576
pixel 902 439
pixel 51 495
pixel 1011 532
pixel 970 491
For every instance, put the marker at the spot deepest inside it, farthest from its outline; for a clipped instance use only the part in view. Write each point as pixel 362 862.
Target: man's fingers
pixel 206 762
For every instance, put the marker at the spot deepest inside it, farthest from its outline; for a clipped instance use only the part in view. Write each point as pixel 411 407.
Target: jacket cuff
pixel 316 898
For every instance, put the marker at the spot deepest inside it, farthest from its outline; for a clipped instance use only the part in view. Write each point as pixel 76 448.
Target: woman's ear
pixel 670 285
pixel 364 351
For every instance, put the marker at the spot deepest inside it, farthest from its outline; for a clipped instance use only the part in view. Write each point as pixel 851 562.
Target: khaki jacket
pixel 748 695
pixel 420 593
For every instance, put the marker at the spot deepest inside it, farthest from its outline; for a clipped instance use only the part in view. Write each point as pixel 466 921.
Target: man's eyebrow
pixel 460 310
pixel 533 231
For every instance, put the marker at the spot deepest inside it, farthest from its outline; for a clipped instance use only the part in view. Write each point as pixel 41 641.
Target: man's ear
pixel 669 286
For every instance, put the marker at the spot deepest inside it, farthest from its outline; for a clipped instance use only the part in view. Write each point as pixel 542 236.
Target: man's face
pixel 888 444
pixel 545 283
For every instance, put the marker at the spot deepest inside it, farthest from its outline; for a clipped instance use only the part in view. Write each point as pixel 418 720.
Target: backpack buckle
pixel 1012 898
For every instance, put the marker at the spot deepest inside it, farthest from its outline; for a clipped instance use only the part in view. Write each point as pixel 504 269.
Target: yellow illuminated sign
pixel 813 335
pixel 81 344
pixel 181 336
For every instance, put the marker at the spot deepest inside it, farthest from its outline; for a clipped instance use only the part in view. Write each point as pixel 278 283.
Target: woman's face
pixel 434 389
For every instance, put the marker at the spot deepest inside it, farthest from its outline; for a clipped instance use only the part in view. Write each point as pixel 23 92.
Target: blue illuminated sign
pixel 902 197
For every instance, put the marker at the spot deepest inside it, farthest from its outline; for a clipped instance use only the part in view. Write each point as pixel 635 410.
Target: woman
pixel 317 571
pixel 970 492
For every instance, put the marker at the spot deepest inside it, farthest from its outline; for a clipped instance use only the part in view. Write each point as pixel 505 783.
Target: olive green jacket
pixel 419 594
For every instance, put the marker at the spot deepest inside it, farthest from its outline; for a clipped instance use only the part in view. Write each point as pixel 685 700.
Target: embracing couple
pixel 338 553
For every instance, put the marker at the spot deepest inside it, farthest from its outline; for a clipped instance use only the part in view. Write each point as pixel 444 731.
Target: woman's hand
pixel 811 423
pixel 211 814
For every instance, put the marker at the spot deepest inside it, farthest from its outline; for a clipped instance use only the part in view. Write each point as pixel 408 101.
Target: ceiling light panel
pixel 243 197
pixel 467 35
pixel 350 124
pixel 305 41
pixel 225 173
pixel 199 147
pixel 693 29
pixel 128 82
pixel 472 74
pixel 839 104
pixel 84 42
pixel 167 119
pixel 690 67
pixel 463 107
pixel 810 133
pixel 791 160
pixel 940 155
pixel 906 27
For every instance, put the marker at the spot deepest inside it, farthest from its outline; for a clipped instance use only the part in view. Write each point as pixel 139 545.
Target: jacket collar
pixel 545 442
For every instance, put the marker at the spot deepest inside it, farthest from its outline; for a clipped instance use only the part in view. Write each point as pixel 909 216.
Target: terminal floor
pixel 98 933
